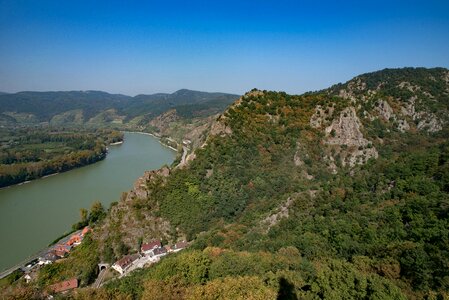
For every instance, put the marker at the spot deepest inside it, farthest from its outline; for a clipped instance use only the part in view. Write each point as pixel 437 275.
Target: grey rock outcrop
pixel 346 131
pixel 219 128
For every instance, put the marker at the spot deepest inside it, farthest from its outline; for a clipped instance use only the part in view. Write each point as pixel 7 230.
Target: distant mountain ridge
pixel 35 107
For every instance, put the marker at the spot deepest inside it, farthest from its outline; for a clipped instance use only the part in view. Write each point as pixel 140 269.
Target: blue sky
pixel 134 47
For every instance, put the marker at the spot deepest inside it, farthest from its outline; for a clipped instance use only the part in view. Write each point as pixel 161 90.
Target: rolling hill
pixel 90 107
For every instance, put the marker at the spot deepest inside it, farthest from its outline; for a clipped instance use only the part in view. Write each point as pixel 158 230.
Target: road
pixel 100 278
pixel 23 264
pixel 41 253
pixel 183 158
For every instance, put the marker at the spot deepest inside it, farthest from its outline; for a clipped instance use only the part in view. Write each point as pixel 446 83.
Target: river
pixel 32 215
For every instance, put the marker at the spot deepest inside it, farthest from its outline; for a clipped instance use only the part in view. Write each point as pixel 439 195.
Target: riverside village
pixel 150 252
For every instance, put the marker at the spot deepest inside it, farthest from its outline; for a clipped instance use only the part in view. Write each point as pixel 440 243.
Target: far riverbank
pixel 101 157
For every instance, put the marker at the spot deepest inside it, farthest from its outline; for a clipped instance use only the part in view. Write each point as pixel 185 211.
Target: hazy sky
pixel 135 47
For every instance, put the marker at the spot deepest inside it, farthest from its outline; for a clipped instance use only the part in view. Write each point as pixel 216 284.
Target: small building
pixel 158 252
pixel 75 240
pixel 125 262
pixel 147 248
pixel 48 258
pixel 62 248
pixel 31 276
pixel 27 278
pixel 85 231
pixel 179 246
pixel 64 286
pixel 60 253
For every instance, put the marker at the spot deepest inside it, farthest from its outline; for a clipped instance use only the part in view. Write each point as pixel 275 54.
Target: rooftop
pixel 159 251
pixel 151 245
pixel 126 260
pixel 180 245
pixel 64 285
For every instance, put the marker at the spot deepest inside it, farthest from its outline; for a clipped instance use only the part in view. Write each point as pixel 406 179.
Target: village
pixel 150 252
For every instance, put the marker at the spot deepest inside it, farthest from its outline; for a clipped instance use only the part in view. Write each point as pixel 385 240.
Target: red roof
pixel 59 253
pixel 151 245
pixel 127 260
pixel 74 239
pixel 64 285
pixel 85 231
pixel 62 248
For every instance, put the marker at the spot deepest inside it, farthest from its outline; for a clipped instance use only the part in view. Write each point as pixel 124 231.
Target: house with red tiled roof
pixel 125 262
pixel 64 286
pixel 61 249
pixel 74 240
pixel 147 248
pixel 85 231
pixel 77 238
pixel 59 253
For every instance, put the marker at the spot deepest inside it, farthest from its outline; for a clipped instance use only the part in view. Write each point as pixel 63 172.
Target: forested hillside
pixel 336 194
pixel 31 153
pixel 96 108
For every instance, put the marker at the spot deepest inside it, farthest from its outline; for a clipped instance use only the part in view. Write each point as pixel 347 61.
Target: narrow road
pixel 183 158
pixel 41 253
pixel 184 154
pixel 21 264
pixel 100 278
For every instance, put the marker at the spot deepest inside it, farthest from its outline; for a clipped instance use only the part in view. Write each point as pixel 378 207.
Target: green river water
pixel 33 214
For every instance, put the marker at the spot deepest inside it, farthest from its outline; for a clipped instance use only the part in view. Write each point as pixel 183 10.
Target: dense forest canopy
pixel 30 153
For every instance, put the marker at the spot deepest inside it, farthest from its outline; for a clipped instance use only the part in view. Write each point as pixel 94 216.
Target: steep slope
pixel 341 193
pixel 335 178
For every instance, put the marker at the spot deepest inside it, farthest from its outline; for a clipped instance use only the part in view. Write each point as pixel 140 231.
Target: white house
pixel 147 248
pixel 125 262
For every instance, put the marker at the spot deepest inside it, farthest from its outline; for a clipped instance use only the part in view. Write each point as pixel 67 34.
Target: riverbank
pixel 38 152
pixel 156 137
pixel 31 262
pixel 28 181
pixel 98 158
